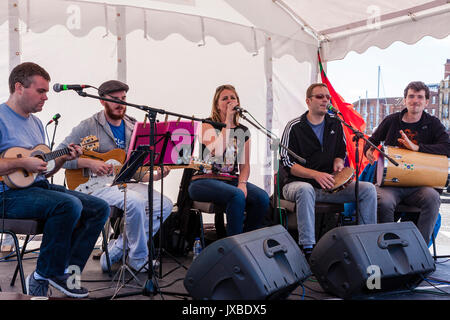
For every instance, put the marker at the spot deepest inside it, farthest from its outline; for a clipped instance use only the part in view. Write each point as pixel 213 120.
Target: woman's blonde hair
pixel 215 112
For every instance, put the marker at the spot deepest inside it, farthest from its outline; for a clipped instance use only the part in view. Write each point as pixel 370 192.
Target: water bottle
pixel 197 247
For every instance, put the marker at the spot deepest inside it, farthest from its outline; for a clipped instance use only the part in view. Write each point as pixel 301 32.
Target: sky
pixel 399 63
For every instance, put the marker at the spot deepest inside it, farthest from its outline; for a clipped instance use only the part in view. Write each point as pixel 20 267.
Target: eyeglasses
pixel 321 96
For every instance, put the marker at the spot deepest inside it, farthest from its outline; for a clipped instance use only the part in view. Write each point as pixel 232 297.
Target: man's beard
pixel 110 113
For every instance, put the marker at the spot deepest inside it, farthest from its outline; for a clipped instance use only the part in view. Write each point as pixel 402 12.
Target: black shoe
pixel 307 253
pixel 65 285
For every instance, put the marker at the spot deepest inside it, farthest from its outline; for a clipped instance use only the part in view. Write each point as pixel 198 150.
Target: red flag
pixel 352 117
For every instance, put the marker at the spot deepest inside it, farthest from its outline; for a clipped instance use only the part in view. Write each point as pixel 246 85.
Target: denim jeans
pixel 305 196
pixel 136 218
pixel 425 198
pixel 227 195
pixel 73 222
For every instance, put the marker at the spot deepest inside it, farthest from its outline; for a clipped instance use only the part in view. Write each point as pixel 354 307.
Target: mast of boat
pixel 377 115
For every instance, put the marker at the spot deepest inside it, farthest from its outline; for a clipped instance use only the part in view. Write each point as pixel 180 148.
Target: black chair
pixel 30 227
pixel 404 212
pixel 199 207
pixel 115 223
pixel 26 227
pixel 327 216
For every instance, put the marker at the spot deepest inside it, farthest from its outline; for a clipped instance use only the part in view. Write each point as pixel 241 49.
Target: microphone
pixel 239 109
pixel 333 109
pixel 55 118
pixel 57 87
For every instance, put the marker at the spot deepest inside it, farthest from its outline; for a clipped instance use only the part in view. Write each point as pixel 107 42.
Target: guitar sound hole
pixel 25 172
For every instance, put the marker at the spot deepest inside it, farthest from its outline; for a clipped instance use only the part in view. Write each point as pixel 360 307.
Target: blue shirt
pixel 17 131
pixel 318 130
pixel 119 134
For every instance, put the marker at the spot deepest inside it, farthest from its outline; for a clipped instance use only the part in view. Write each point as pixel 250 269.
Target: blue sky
pixel 400 63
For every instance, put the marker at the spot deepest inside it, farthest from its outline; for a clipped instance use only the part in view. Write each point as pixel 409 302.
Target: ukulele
pixel 22 178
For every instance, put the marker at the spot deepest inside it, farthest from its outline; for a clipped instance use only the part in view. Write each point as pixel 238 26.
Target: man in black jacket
pixel 319 139
pixel 416 130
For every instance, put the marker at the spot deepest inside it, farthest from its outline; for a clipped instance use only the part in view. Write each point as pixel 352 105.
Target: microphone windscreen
pixel 57 87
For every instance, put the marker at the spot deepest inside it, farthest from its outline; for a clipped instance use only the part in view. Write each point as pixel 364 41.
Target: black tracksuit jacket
pixel 299 137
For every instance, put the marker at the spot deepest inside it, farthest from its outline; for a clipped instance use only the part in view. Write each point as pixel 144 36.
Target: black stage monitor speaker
pixel 257 265
pixel 355 261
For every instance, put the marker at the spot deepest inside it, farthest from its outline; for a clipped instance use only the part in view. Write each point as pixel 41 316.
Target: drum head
pixel 342 177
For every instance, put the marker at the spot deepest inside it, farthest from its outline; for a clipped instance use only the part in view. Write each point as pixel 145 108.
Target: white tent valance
pixel 81 17
pixel 295 27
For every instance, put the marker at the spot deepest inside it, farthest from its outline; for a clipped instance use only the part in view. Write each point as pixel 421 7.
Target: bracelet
pixel 242 182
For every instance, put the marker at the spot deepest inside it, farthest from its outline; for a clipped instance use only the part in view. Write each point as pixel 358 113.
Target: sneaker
pixel 63 284
pixel 38 288
pixel 115 255
pixel 139 265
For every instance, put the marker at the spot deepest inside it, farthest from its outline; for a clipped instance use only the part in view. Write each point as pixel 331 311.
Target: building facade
pixel 444 97
pixel 375 110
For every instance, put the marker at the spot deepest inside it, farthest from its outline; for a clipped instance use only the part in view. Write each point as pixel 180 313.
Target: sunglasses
pixel 321 96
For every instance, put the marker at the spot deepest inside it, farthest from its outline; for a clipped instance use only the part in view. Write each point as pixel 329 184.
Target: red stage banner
pixel 351 116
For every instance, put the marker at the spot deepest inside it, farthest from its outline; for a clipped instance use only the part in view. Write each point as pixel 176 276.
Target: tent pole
pixel 315 72
pixel 121 44
pixel 14 34
pixel 268 66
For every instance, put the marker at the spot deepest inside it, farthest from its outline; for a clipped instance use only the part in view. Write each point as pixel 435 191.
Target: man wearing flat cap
pixel 113 128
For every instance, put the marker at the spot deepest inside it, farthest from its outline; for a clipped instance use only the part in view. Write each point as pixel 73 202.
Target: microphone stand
pixel 275 144
pixel 52 143
pixel 150 288
pixel 274 140
pixel 357 136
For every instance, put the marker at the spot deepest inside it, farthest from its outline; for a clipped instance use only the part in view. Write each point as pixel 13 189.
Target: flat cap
pixel 112 86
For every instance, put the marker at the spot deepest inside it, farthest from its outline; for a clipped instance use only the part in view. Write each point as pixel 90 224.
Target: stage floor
pixel 170 279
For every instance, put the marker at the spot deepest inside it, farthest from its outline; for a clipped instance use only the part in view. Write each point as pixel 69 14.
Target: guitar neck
pixel 55 154
pixel 116 169
pixel 183 166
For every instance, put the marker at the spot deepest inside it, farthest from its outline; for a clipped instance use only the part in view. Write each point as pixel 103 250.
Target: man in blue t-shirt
pixel 114 128
pixel 73 221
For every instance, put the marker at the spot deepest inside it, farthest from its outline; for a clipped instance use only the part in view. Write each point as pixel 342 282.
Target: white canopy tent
pixel 174 53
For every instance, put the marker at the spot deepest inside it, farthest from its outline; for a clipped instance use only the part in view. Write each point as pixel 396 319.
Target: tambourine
pixel 342 179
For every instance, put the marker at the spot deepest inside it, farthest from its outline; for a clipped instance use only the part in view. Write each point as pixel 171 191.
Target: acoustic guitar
pixel 83 180
pixel 77 177
pixel 22 178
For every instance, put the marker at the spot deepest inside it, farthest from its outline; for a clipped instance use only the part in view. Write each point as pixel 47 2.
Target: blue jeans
pixel 73 222
pixel 305 197
pixel 227 195
pixel 137 219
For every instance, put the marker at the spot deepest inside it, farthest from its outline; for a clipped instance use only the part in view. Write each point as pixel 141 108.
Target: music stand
pixel 172 148
pixel 151 112
pixel 125 176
